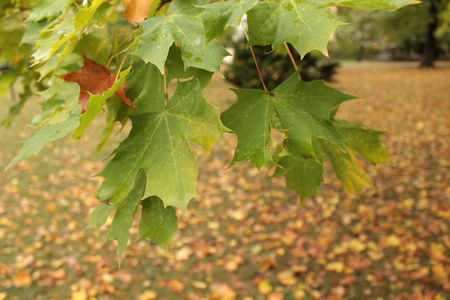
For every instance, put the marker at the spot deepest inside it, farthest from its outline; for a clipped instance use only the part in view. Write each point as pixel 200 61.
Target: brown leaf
pixel 95 79
pixel 137 10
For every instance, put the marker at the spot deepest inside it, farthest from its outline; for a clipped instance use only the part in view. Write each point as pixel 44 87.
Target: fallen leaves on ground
pixel 245 237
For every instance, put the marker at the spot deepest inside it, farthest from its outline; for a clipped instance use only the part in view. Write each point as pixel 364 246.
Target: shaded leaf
pixel 298 109
pixel 100 214
pixel 158 223
pixel 175 69
pixel 347 168
pixel 124 216
pixel 364 141
pixel 303 176
pixel 146 87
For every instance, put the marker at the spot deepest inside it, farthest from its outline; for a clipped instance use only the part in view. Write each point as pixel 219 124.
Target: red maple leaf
pixel 95 79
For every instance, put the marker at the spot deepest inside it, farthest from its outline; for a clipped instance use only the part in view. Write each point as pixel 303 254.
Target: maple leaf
pixel 137 10
pixel 184 26
pixel 95 79
pixel 298 109
pixel 160 139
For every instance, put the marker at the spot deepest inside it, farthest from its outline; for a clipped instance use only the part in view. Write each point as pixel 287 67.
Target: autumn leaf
pixel 137 10
pixel 95 79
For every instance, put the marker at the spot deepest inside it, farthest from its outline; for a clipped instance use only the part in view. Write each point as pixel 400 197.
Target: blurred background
pixel 245 237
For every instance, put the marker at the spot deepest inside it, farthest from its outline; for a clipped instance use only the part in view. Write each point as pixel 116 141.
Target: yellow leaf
pixel 50 207
pixel 200 285
pixel 176 285
pixel 336 266
pixel 264 287
pixel 286 278
pixel 79 295
pixel 183 254
pixel 356 246
pixel 393 240
pixel 22 278
pixel 437 251
pixel 148 295
pixel 439 272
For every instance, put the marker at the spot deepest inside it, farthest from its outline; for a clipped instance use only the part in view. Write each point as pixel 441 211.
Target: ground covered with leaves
pixel 245 237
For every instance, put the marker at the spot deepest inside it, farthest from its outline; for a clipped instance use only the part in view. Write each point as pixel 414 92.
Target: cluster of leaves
pixel 154 166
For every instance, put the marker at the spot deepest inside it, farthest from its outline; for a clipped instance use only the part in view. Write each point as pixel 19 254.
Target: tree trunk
pixel 429 54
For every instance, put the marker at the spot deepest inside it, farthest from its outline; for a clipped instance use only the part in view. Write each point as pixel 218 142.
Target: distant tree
pixel 430 49
pixel 418 29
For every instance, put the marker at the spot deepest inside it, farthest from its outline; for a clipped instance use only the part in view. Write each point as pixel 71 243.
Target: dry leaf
pixel 95 79
pixel 137 10
pixel 286 278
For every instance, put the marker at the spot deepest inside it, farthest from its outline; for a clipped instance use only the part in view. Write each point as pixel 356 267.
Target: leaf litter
pixel 245 237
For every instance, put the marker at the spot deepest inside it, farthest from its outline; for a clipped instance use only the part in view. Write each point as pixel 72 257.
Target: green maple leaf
pixel 157 143
pixel 158 223
pixel 299 109
pixel 369 4
pixel 219 15
pixel 175 69
pixel 49 133
pixel 52 39
pixel 305 176
pixel 124 216
pixel 307 25
pixel 363 140
pixel 146 87
pixel 58 97
pixel 347 168
pixel 65 121
pixel 182 25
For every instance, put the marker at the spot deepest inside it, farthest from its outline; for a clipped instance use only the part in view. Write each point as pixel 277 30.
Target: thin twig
pixel 256 62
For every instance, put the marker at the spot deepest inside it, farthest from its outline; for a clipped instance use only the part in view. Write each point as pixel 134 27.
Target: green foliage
pixel 154 166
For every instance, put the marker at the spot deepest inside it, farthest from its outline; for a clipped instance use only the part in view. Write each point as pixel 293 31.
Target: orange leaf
pixel 95 79
pixel 137 10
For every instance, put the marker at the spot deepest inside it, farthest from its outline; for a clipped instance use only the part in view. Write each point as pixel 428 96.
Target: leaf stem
pixel 254 58
pixel 114 53
pixel 121 64
pixel 292 59
pixel 290 56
